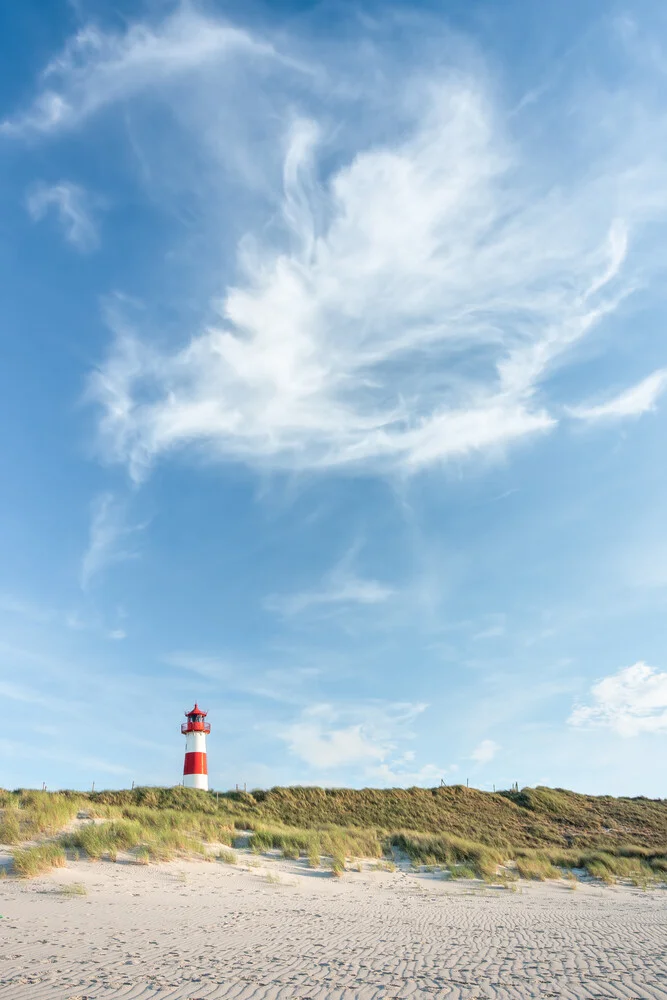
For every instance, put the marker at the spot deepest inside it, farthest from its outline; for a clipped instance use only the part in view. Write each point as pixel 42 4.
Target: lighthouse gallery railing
pixel 195 727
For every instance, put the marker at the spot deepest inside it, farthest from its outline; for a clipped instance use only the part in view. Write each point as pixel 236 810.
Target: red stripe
pixel 195 763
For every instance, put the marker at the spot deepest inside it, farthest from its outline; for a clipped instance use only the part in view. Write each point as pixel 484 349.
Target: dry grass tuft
pixel 34 861
pixel 73 889
pixel 536 867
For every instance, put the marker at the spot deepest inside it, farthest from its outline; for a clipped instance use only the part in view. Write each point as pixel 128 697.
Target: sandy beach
pixel 194 930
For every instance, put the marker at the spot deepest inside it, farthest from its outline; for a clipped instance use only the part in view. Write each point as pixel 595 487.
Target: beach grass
pixel 32 861
pixel 537 867
pixel 73 889
pixel 547 833
pixel 328 840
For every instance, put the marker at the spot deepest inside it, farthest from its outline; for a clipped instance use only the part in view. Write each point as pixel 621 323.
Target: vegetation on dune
pixel 536 866
pixel 36 860
pixel 312 843
pixel 157 842
pixel 30 814
pixel 444 849
pixel 544 832
pixel 99 839
pixel 156 822
pixel 531 818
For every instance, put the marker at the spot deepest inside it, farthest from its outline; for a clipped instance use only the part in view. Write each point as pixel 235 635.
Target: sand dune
pixel 192 930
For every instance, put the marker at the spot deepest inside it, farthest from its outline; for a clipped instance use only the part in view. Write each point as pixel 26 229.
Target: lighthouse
pixel 195 770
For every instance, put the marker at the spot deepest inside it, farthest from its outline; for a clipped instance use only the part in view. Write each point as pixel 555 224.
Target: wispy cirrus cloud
pixel 633 402
pixel 414 325
pixel 110 539
pixel 417 284
pixel 98 68
pixel 339 590
pixel 73 208
pixel 629 702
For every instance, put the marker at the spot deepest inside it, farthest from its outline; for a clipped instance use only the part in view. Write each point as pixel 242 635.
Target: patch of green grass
pixel 314 853
pixel 328 841
pixel 98 839
pixel 337 867
pixel 600 871
pixel 227 857
pixel 611 867
pixel 73 889
pixel 28 815
pixel 32 861
pixel 536 867
pixel 462 871
pixel 10 830
pixel 445 849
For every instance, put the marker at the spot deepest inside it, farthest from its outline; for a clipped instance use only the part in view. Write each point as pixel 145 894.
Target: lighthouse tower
pixel 195 770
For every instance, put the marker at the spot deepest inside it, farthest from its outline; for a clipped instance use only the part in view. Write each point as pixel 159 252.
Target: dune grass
pixel 331 841
pixel 27 815
pixel 154 842
pixel 32 861
pixel 537 867
pixel 98 839
pixel 547 832
pixel 445 849
pixel 462 871
pixel 73 889
pixel 10 828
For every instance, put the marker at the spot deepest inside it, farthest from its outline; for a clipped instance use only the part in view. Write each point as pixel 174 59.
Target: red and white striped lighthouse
pixel 195 770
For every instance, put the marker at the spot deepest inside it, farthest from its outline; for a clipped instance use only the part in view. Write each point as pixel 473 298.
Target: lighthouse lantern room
pixel 196 729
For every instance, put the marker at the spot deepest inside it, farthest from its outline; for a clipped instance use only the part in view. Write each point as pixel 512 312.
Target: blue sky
pixel 333 392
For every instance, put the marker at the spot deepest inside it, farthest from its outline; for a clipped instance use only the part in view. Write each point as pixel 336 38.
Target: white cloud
pixel 109 538
pixel 412 326
pixel 328 736
pixel 629 702
pixel 640 398
pixel 326 748
pixel 340 589
pixel 485 751
pixel 416 282
pixel 73 208
pixel 97 68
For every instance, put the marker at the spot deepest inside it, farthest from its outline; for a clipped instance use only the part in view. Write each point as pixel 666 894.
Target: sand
pixel 195 930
